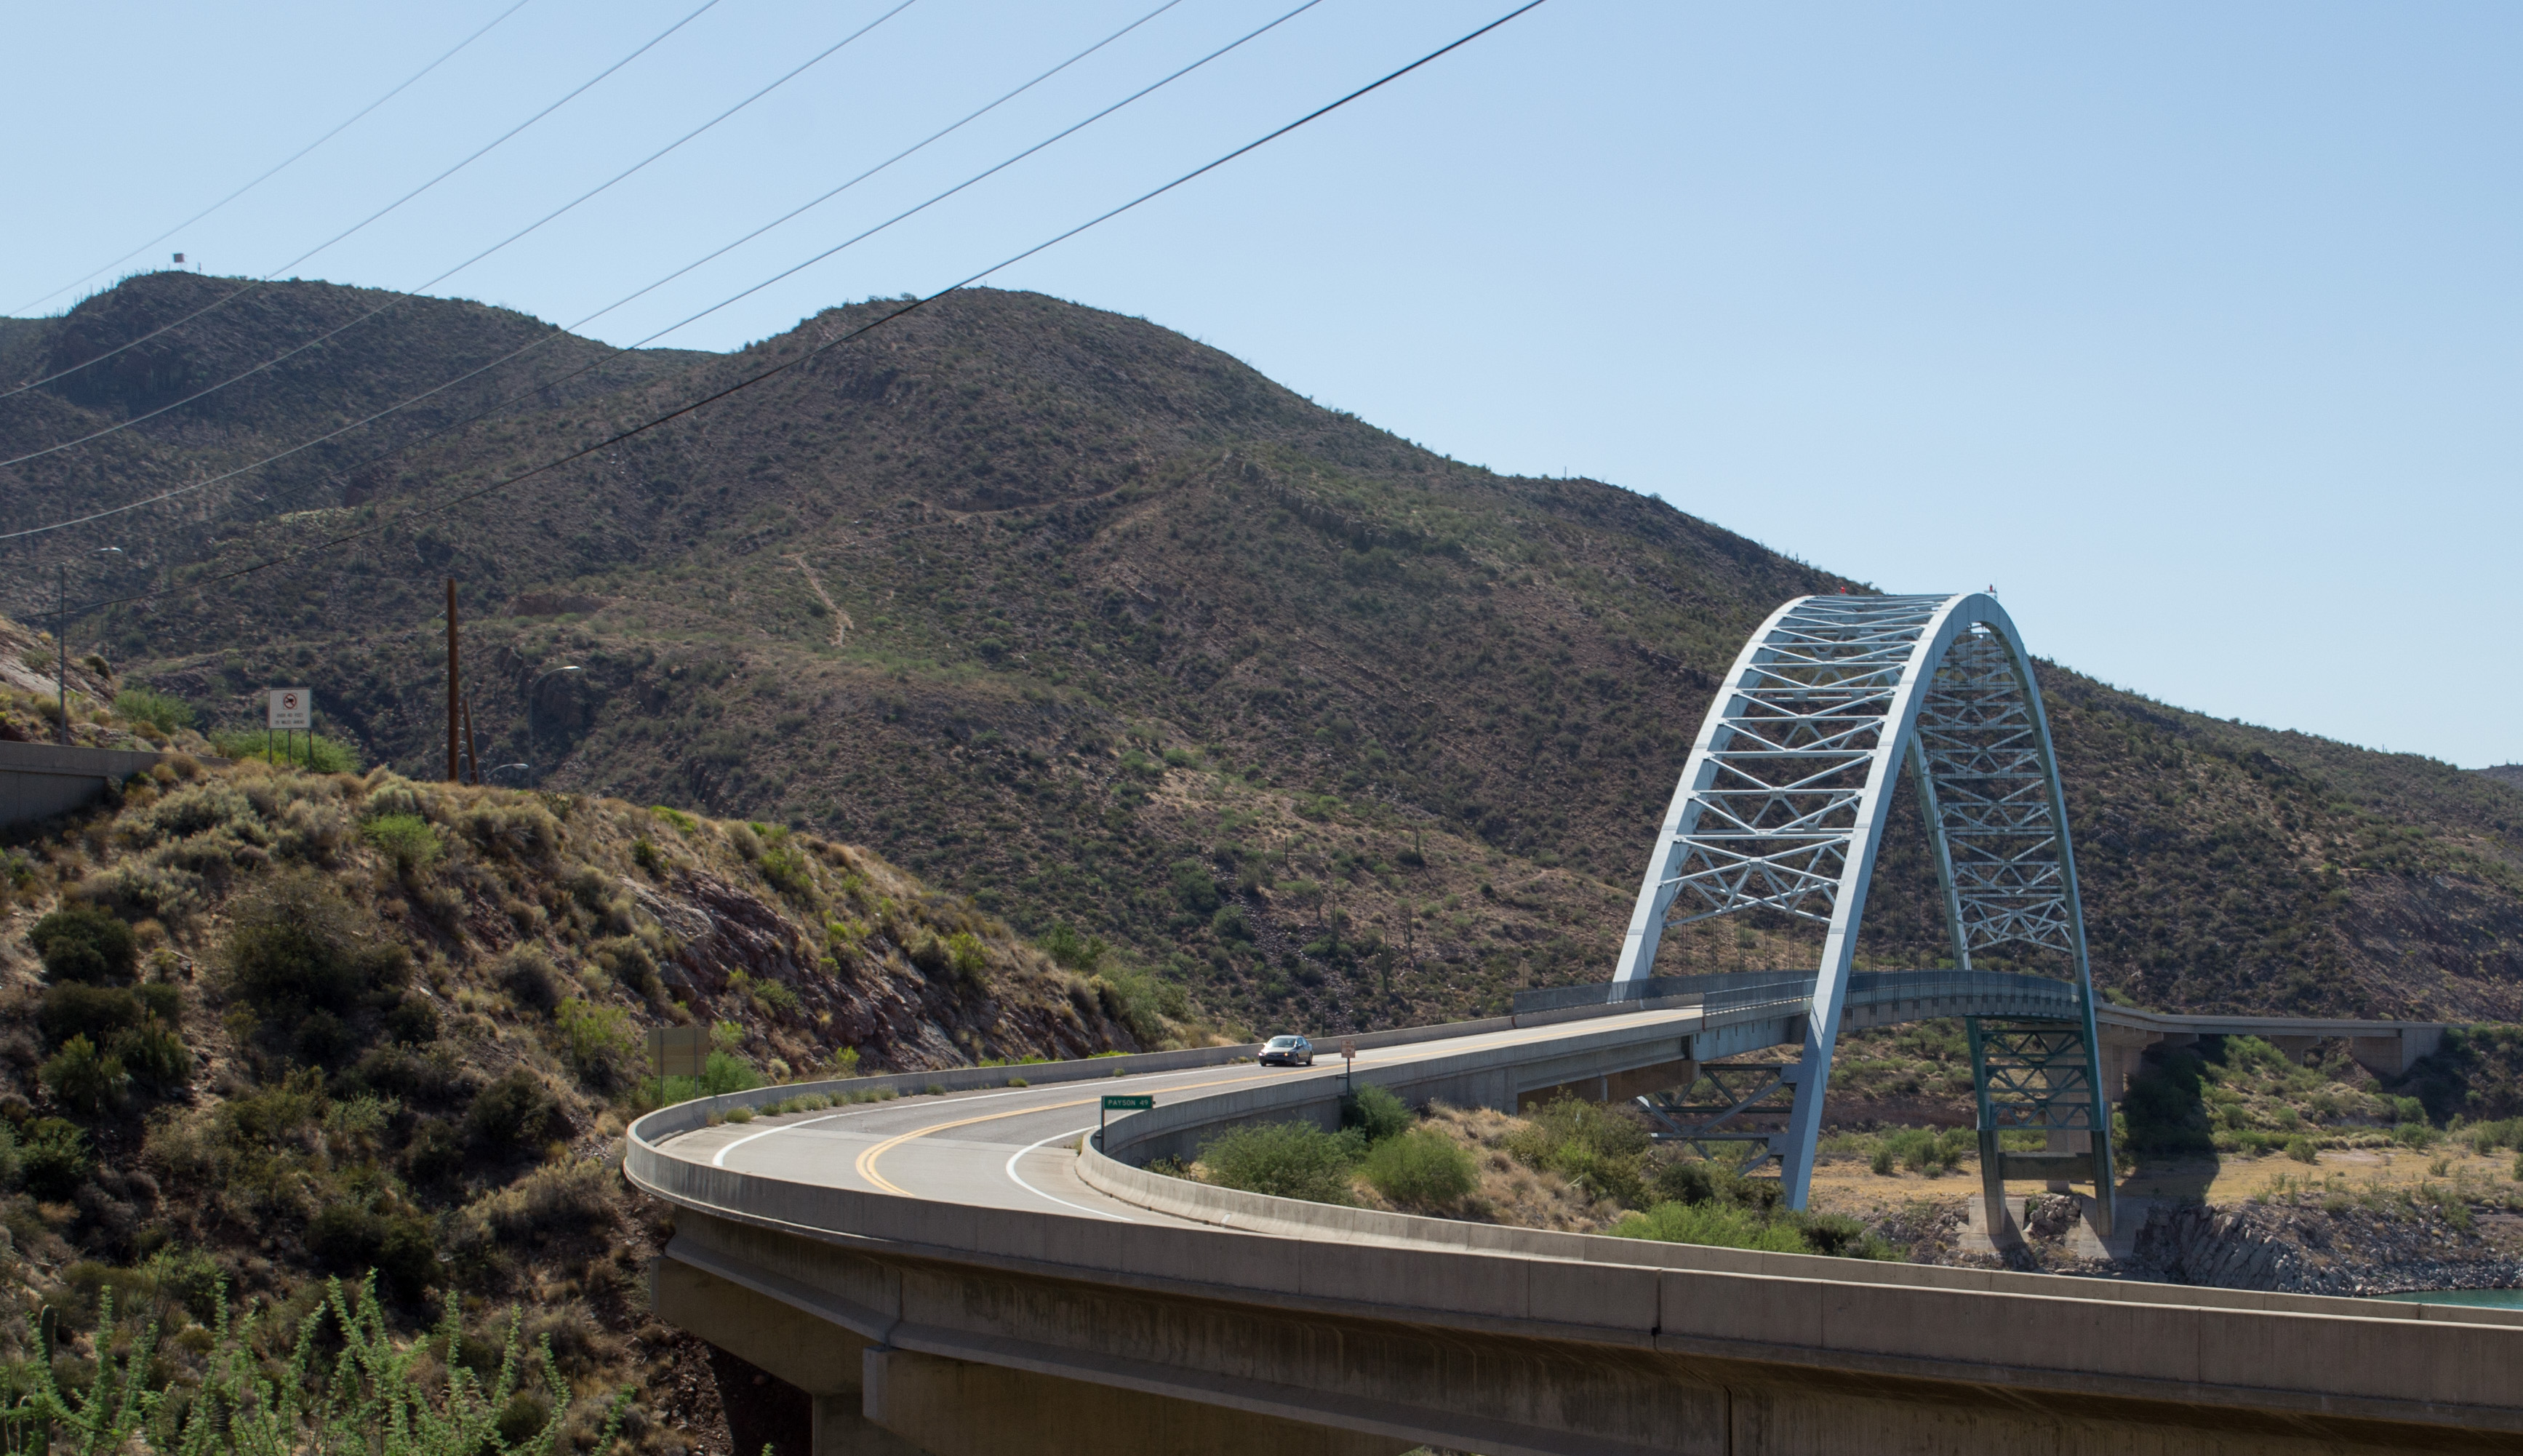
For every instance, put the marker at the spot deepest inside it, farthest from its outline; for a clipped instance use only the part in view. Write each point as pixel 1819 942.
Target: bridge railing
pixel 2003 992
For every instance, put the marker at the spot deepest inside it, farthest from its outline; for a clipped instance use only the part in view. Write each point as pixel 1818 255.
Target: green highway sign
pixel 1120 1102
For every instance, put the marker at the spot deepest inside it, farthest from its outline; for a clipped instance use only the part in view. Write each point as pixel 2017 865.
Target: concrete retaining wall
pixel 41 781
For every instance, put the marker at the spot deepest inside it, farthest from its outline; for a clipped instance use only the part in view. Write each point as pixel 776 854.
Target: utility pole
pixel 455 699
pixel 62 648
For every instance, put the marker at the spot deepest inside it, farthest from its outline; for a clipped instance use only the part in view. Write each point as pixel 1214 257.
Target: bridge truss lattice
pixel 1782 806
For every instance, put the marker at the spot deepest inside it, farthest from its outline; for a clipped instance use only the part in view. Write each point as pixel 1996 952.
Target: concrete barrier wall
pixel 2092 1338
pixel 1489 1077
pixel 682 1117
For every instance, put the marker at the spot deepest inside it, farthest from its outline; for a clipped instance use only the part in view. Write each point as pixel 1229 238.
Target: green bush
pixel 84 943
pixel 407 839
pixel 515 1117
pixel 966 956
pixel 1703 1182
pixel 54 1159
pixel 314 752
pixel 167 715
pixel 1420 1168
pixel 1721 1224
pixel 1080 954
pixel 297 945
pixel 1284 1159
pixel 2302 1148
pixel 155 1054
pixel 74 1009
pixel 401 1247
pixel 1376 1112
pixel 602 1048
pixel 1594 1148
pixel 784 870
pixel 84 1078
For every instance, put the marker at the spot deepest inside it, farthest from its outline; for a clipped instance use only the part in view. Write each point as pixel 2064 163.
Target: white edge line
pixel 1019 1179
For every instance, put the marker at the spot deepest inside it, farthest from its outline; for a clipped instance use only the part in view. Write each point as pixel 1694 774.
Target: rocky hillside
pixel 1094 624
pixel 260 1027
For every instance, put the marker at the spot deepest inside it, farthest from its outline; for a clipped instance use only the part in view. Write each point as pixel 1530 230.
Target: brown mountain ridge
pixel 1102 628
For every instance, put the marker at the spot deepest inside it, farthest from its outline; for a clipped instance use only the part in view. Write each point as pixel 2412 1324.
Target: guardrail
pixel 1735 990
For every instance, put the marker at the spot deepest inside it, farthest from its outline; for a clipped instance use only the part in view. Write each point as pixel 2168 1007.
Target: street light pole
pixel 530 747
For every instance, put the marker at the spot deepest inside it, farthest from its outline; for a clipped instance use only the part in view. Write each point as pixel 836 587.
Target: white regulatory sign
pixel 291 708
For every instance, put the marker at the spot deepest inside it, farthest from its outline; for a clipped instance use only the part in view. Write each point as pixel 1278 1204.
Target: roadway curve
pixel 966 1231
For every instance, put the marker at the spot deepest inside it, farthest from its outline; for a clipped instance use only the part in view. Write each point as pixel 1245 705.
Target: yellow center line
pixel 866 1166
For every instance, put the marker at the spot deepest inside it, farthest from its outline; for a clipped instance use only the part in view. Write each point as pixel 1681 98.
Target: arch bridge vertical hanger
pixel 1780 807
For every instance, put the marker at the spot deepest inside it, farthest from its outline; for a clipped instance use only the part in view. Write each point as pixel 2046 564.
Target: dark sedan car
pixel 1287 1051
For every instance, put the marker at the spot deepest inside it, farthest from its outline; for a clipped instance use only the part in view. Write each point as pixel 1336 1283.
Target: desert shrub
pixel 149 889
pixel 53 1159
pixel 1422 1167
pixel 85 1078
pixel 1927 1149
pixel 1285 1160
pixel 1596 1150
pixel 515 1115
pixel 1230 923
pixel 408 840
pixel 2302 1148
pixel 645 855
pixel 1376 1112
pixel 599 1043
pixel 966 956
pixel 1140 1002
pixel 625 958
pixel 556 1200
pixel 1703 1182
pixel 317 753
pixel 784 870
pixel 514 829
pixel 203 808
pixel 1074 952
pixel 155 1054
pixel 526 973
pixel 723 1072
pixel 166 714
pixel 1725 1225
pixel 402 1248
pixel 74 1009
pixel 413 1023
pixel 84 943
pixel 297 945
pixel 1839 1236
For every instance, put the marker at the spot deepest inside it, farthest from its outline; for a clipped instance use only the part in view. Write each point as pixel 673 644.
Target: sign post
pixel 1120 1102
pixel 1349 1064
pixel 677 1052
pixel 291 709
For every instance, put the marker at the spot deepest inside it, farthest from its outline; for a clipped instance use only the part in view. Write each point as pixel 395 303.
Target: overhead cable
pixel 775 370
pixel 233 295
pixel 405 296
pixel 606 358
pixel 276 170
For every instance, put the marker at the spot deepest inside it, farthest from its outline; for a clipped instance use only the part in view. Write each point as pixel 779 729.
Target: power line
pixel 233 295
pixel 404 296
pixel 759 376
pixel 616 354
pixel 285 162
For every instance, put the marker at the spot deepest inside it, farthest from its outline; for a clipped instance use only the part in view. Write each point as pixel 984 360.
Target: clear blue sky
pixel 2193 329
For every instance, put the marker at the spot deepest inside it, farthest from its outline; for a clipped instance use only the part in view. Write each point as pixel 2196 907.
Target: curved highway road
pixel 1014 1148
pixel 952 1274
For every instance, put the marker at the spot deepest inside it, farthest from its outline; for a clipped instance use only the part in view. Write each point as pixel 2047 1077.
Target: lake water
pixel 2491 1298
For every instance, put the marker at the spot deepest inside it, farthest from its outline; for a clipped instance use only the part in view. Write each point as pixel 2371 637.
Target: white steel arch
pixel 1782 806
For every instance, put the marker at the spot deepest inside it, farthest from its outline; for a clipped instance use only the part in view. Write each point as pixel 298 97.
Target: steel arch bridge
pixel 1782 807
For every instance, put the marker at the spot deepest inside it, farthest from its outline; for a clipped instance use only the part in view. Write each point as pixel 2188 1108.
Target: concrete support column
pixel 842 1429
pixel 957 1408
